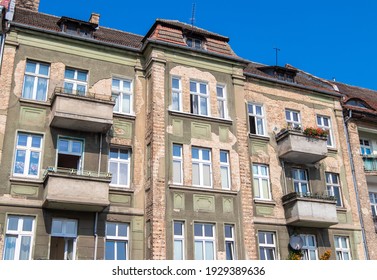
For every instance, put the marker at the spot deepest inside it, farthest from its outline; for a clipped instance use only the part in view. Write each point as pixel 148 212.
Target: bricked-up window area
pixel 229 242
pixel 63 239
pixel 117 238
pixel 179 240
pixel 256 119
pixel 267 245
pixel 121 91
pixel 333 187
pixel 177 164
pixel 373 202
pixel 293 119
pixel 75 81
pixel 204 241
pixel 300 181
pixel 176 94
pixel 201 167
pixel 325 123
pixel 119 167
pixel 222 108
pixel 36 80
pixel 28 155
pixel 309 248
pixel 18 237
pixel 225 170
pixel 199 100
pixel 261 182
pixel 342 247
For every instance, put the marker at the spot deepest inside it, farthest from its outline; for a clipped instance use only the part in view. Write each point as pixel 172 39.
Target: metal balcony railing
pixel 324 196
pixel 71 171
pixel 370 162
pixel 86 94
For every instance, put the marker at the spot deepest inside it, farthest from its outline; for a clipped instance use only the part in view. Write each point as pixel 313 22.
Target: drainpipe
pixel 284 178
pixel 100 154
pixel 95 236
pixel 355 184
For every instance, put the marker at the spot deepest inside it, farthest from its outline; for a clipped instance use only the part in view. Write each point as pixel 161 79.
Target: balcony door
pixel 70 153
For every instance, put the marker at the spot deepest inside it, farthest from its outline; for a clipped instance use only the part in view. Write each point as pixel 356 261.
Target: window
pixel 121 92
pixel 309 248
pixel 373 203
pixel 63 239
pixel 267 245
pixel 325 123
pixel 117 236
pixel 204 238
pixel 365 147
pixel 28 155
pixel 119 167
pixel 300 181
pixel 199 98
pixel 75 81
pixel 221 102
pixel 261 182
pixel 256 119
pixel 333 187
pixel 225 170
pixel 342 248
pixel 179 240
pixel 229 242
pixel 201 167
pixel 357 103
pixel 176 94
pixel 70 154
pixel 177 164
pixel 293 119
pixel 18 238
pixel 36 80
pixel 194 43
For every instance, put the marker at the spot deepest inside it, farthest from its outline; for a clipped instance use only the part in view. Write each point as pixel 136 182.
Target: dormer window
pixel 280 73
pixel 77 27
pixel 357 103
pixel 194 43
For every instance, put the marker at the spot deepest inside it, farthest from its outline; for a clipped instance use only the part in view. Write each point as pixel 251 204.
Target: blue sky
pixel 329 39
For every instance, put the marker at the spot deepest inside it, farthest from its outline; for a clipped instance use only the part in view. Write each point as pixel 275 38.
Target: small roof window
pixel 357 103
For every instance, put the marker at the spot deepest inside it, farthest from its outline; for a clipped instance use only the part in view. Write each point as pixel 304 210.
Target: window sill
pixel 121 189
pixel 332 150
pixel 124 116
pixel 199 189
pixel 200 117
pixel 26 180
pixel 259 137
pixel 264 202
pixel 341 209
pixel 35 102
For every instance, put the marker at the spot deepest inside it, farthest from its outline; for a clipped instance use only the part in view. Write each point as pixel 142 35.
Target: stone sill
pixel 264 202
pixel 35 102
pixel 124 116
pixel 259 137
pixel 341 209
pixel 200 117
pixel 114 189
pixel 198 189
pixel 20 180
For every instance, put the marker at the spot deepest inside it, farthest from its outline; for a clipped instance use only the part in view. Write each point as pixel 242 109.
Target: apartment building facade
pixel 165 146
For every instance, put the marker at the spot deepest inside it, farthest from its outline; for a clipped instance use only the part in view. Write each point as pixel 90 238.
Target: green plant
pixel 315 132
pixel 295 255
pixel 326 255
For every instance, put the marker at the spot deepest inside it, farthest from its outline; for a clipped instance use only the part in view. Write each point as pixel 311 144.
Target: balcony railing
pixel 86 94
pixel 370 163
pixel 71 171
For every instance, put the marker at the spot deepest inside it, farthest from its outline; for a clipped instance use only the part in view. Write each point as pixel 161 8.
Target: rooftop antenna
pixel 193 15
pixel 276 56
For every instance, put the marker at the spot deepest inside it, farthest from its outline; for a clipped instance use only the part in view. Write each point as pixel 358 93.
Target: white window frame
pixel 118 161
pixel 201 163
pixel 225 165
pixel 340 250
pixel 300 181
pixel 178 92
pixel 365 146
pixel 28 150
pixel 179 238
pixel 256 119
pixel 267 246
pixel 230 240
pixel 36 75
pixel 194 43
pixel 258 175
pixel 205 239
pixel 19 233
pixel 222 108
pixel 75 82
pixel 118 238
pixel 197 94
pixel 68 236
pixel 373 203
pixel 179 160
pixel 307 249
pixel 321 124
pixel 118 93
pixel 70 151
pixel 331 185
pixel 289 117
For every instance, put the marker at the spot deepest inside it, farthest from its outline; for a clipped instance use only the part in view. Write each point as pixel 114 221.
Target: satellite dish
pixel 296 242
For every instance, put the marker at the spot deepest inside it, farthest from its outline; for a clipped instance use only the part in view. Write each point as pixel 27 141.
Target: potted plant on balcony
pixel 315 132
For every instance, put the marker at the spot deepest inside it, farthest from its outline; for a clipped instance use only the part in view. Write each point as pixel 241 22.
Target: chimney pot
pixel 94 18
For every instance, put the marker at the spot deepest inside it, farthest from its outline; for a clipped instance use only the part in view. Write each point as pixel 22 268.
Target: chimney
pixel 94 18
pixel 28 4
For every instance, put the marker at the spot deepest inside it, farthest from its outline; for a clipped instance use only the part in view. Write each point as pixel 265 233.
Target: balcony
pixel 71 189
pixel 308 210
pixel 370 163
pixel 294 146
pixel 81 111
